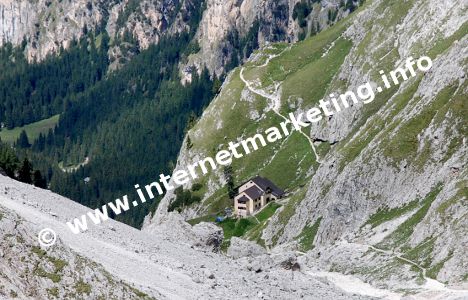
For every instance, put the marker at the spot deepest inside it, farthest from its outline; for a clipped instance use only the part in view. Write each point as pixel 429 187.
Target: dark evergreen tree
pixel 38 180
pixel 216 86
pixel 40 143
pixel 230 182
pixel 30 92
pixel 301 11
pixel 23 140
pixel 8 160
pixel 350 5
pixel 183 198
pixel 24 173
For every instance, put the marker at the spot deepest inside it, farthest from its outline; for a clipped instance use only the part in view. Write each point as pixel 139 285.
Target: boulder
pixel 208 236
pixel 204 236
pixel 242 248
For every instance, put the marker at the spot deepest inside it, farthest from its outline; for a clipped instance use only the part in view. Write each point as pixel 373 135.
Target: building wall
pixel 249 206
pixel 236 204
pixel 242 212
pixel 236 212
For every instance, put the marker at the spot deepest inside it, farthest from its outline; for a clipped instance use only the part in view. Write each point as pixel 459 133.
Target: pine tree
pixel 24 174
pixel 23 140
pixel 8 160
pixel 350 5
pixel 229 181
pixel 216 86
pixel 98 111
pixel 39 144
pixel 38 180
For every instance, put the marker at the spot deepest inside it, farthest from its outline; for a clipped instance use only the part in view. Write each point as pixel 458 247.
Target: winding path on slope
pixel 343 281
pixel 432 289
pixel 431 284
pixel 275 99
pixel 75 168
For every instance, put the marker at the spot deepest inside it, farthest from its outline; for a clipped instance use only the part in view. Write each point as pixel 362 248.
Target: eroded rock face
pixel 374 180
pixel 47 25
pixel 44 26
pixel 209 236
pixel 30 271
pixel 224 20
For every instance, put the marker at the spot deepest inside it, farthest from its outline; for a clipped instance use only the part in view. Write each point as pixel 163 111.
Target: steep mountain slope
pixel 81 75
pixel 44 26
pixel 29 272
pixel 231 30
pixel 378 190
pixel 376 193
pixel 115 261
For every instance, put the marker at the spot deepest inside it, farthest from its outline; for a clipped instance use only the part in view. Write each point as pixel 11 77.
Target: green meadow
pixel 32 130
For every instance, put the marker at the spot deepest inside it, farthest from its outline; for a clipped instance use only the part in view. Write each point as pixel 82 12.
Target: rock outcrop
pixel 225 24
pixel 31 272
pixel 242 248
pixel 42 27
pixel 119 262
pixel 203 236
pixel 390 181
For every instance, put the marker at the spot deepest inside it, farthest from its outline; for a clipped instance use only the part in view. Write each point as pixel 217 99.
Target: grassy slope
pixel 306 73
pixel 307 76
pixel 288 161
pixel 33 130
pixel 399 141
pixel 250 228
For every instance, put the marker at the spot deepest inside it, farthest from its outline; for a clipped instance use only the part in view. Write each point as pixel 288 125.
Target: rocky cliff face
pixel 266 20
pixel 30 272
pixel 43 26
pixel 46 25
pixel 385 196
